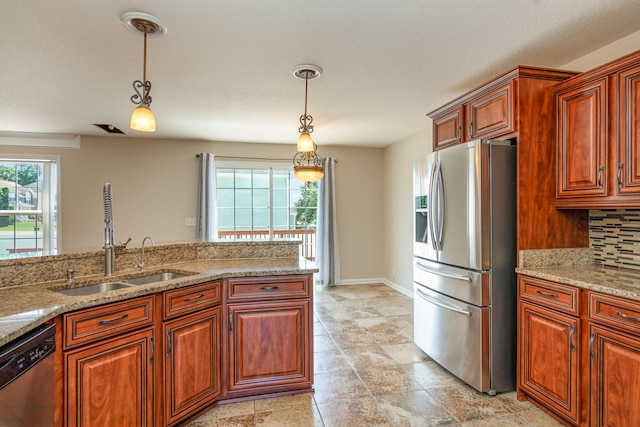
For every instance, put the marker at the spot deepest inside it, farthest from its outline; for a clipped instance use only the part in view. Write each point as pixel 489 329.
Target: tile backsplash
pixel 614 236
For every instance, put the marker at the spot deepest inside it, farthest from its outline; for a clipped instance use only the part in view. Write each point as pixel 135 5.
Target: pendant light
pixel 142 118
pixel 307 165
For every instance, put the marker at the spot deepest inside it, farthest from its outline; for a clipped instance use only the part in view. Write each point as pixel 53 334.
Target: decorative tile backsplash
pixel 614 236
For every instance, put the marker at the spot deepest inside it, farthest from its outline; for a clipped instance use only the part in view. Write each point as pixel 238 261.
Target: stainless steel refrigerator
pixel 464 261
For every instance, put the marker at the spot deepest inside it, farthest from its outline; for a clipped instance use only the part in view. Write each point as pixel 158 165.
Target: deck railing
pixel 308 238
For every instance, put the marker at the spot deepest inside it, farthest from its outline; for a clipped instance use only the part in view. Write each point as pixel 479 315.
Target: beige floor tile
pixel 387 380
pixel 390 336
pixel 368 356
pixel 538 418
pixel 230 410
pixel 353 339
pixel 300 416
pixel 414 409
pixel 467 404
pixel 330 361
pixel 236 421
pixel 430 374
pixel 284 402
pixel 338 386
pixel 324 343
pixel 333 326
pixel 508 421
pixel 393 310
pixel 405 353
pixel 354 413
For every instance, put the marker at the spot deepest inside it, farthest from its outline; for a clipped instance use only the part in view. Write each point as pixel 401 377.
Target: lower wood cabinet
pixel 157 360
pixel 580 363
pixel 192 363
pixel 269 347
pixel 111 383
pixel 549 357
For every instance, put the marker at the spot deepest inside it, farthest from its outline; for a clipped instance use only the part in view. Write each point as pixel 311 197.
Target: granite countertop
pixel 608 280
pixel 24 307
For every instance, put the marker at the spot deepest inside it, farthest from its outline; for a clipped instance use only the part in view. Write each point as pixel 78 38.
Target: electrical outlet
pixel 190 222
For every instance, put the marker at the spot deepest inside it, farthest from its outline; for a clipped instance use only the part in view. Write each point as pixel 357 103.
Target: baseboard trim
pixel 370 281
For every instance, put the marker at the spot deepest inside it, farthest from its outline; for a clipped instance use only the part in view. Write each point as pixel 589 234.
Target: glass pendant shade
pixel 308 173
pixel 142 119
pixel 305 143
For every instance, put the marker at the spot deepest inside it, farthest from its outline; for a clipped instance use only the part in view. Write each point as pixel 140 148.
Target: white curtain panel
pixel 327 256
pixel 206 214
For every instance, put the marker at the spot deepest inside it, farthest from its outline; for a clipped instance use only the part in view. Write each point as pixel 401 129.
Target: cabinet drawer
pixel 614 311
pixel 550 294
pixel 192 298
pixel 97 323
pixel 263 288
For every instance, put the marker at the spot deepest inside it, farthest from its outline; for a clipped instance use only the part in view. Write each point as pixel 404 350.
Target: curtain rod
pixel 252 158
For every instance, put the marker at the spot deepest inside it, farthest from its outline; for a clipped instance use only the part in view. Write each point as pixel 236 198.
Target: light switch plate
pixel 190 222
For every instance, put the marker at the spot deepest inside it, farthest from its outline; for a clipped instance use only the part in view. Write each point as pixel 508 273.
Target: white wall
pixel 154 185
pixel 398 210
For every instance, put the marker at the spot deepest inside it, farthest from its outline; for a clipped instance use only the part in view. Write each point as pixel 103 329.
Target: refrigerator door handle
pixel 441 213
pixel 442 305
pixel 442 273
pixel 431 205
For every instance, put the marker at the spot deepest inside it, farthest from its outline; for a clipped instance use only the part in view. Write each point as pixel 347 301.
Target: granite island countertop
pixel 576 267
pixel 25 307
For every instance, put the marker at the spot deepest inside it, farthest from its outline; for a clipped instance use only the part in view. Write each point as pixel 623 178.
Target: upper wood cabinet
pixel 519 105
pixel 598 137
pixel 487 114
pixel 447 128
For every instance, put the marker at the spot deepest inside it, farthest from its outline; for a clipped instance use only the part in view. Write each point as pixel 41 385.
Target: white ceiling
pixel 223 70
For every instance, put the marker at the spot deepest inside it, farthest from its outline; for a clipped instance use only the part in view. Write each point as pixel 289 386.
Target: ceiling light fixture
pixel 307 165
pixel 142 118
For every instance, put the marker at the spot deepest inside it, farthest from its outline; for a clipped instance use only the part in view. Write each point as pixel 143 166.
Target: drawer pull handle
pixel 115 319
pixel 270 288
pixel 572 330
pixel 546 294
pixel 193 298
pixel 626 316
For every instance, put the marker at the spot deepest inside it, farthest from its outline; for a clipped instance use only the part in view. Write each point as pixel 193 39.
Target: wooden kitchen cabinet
pixel 519 105
pixel 598 137
pixel 548 347
pixel 108 354
pixel 447 128
pixel 192 349
pixel 583 140
pixel 270 344
pixel 111 383
pixel 192 363
pixel 614 349
pixel 488 113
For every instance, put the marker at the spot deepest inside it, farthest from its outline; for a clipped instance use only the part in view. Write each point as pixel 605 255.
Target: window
pixel 28 206
pixel 265 202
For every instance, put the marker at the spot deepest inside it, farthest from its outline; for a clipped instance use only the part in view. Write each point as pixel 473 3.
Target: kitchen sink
pixel 94 289
pixel 121 284
pixel 152 278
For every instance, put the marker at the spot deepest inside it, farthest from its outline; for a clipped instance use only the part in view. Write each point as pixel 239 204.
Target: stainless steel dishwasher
pixel 26 379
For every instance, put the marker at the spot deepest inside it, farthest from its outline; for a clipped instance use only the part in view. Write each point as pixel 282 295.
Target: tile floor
pixel 368 372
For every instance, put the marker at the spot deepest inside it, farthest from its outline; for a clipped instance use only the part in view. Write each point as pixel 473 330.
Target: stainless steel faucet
pixel 109 240
pixel 141 265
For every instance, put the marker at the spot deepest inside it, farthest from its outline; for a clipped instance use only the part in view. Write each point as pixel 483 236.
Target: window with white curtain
pixel 28 206
pixel 264 201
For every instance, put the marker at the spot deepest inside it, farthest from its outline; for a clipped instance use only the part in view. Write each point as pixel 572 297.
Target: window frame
pixel 52 235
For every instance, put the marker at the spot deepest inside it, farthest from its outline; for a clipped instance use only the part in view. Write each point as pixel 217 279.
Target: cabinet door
pixel 111 383
pixel 628 174
pixel 582 140
pixel 549 358
pixel 447 129
pixel 615 378
pixel 269 346
pixel 192 363
pixel 491 114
